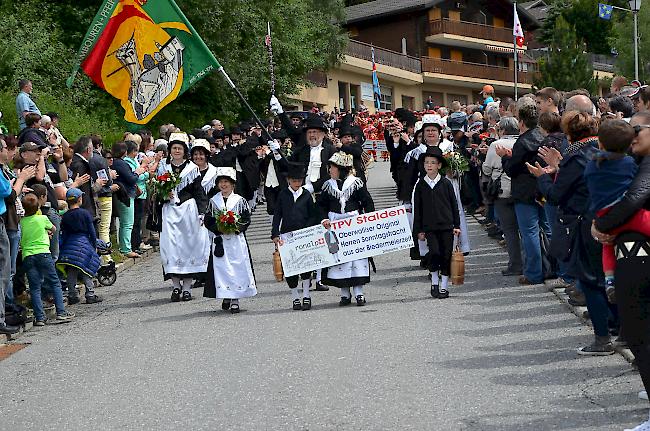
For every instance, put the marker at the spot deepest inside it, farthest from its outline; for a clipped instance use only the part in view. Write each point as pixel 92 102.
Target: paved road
pixel 494 356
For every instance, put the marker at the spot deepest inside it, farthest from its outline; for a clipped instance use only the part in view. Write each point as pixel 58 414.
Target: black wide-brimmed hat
pixel 280 134
pixel 315 122
pixel 403 115
pixel 296 171
pixel 433 151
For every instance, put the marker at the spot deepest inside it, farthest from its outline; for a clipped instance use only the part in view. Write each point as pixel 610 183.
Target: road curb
pixel 120 267
pixel 577 311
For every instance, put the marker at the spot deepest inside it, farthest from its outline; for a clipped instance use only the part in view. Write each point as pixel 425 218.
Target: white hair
pixel 45 119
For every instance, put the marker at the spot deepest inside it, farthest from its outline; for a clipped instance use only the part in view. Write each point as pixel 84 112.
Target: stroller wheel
pixel 106 276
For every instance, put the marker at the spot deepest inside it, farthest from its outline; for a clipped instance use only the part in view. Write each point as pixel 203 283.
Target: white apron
pixel 181 231
pixel 233 273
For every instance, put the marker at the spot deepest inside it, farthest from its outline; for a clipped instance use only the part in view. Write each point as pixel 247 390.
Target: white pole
pixel 636 44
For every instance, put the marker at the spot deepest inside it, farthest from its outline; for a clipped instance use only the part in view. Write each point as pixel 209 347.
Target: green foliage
pixel 623 41
pixel 40 43
pixel 583 15
pixel 566 67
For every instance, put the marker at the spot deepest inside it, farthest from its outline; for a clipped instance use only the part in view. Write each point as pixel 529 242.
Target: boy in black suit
pixel 436 219
pixel 295 209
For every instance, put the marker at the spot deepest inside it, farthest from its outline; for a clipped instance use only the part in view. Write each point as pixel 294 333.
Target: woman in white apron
pixel 200 155
pixel 230 269
pixel 343 196
pixel 181 230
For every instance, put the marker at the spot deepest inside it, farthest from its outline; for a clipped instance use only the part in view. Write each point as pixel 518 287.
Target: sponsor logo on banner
pixel 356 237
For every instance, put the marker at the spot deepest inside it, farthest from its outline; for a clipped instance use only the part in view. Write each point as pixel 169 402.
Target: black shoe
pixel 361 300
pixel 72 300
pixel 8 329
pixel 225 304
pixel 444 293
pixel 306 304
pixel 510 272
pixel 577 302
pixel 176 295
pixel 93 299
pixel 296 305
pixel 234 308
pixel 187 296
pixel 434 291
pixel 345 301
pixel 321 288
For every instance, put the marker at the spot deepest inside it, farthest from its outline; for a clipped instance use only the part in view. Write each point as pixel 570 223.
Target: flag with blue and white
pixel 605 11
pixel 375 81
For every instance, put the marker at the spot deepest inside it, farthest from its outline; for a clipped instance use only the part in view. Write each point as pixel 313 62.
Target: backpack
pixel 15 315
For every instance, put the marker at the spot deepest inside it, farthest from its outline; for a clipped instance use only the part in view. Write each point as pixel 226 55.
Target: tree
pixel 623 41
pixel 566 66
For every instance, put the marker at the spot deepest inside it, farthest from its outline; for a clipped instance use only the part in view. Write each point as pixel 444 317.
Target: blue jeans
pixel 530 217
pixel 55 219
pixel 551 216
pixel 5 266
pixel 14 242
pixel 600 310
pixel 40 269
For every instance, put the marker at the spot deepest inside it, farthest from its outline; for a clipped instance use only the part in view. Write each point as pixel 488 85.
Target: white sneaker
pixel 645 426
pixel 643 395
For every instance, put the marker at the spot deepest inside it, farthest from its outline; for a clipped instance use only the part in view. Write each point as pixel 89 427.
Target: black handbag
pixel 493 188
pixel 564 236
pixel 154 218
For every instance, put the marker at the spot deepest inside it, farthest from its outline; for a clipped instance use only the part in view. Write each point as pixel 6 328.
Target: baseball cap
pixel 73 194
pixel 30 146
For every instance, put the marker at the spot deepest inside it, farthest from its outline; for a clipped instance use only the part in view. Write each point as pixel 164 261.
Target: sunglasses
pixel 639 127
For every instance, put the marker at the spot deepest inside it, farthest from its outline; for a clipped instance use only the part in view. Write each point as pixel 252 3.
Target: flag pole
pixel 269 45
pixel 514 50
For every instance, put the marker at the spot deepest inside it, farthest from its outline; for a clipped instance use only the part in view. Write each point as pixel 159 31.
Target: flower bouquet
pixel 456 163
pixel 164 184
pixel 228 222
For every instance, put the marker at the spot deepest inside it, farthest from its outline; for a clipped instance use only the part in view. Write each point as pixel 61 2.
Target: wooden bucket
pixel 277 266
pixel 457 267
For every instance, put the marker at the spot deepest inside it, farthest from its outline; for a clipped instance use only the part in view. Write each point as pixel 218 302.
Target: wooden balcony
pixel 474 70
pixel 384 56
pixel 469 30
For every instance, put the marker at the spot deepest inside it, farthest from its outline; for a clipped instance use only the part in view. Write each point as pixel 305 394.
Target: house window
pixel 386 101
pixel 460 97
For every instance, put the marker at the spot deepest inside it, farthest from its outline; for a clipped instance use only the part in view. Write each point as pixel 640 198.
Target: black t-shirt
pixel 51 177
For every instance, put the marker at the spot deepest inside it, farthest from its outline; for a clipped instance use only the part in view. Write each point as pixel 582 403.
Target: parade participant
pixel 398 134
pixel 348 144
pixel 274 172
pixel 436 219
pixel 295 209
pixel 343 196
pixel 230 269
pixel 200 154
pixel 78 255
pixel 247 166
pixel 182 260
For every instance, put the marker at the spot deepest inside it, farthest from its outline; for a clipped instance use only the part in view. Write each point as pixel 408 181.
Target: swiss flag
pixel 517 31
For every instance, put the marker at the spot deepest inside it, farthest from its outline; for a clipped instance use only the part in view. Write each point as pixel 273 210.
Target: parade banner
pixel 144 53
pixel 355 237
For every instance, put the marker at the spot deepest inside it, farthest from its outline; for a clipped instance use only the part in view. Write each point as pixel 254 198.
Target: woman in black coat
pixel 633 265
pixel 570 194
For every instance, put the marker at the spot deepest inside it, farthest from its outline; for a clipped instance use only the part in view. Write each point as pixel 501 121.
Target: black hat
pixel 245 126
pixel 219 134
pixel 405 116
pixel 295 114
pixel 433 151
pixel 296 171
pixel 280 134
pixel 236 131
pixel 211 140
pixel 315 122
pixel 345 127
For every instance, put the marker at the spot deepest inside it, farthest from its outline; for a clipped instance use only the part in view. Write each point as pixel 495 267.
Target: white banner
pixel 356 237
pixel 372 145
pixel 367 92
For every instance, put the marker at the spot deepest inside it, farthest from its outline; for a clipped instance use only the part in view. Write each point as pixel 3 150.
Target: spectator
pixel 570 194
pixel 140 194
pixel 622 105
pixel 5 251
pixel 24 103
pixel 618 82
pixel 126 179
pixel 38 262
pixel 548 100
pixel 60 140
pixel 530 214
pixel 508 131
pixel 642 99
pixel 99 166
pixel 80 168
pixel 32 132
pixel 580 103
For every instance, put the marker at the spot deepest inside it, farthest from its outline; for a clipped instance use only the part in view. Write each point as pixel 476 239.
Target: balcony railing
pixel 384 56
pixel 471 29
pixel 474 70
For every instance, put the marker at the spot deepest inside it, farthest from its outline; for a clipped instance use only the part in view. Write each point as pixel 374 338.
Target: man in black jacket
pixel 295 209
pixel 530 214
pixel 80 166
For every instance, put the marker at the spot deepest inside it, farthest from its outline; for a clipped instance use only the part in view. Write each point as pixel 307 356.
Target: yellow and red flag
pixel 144 53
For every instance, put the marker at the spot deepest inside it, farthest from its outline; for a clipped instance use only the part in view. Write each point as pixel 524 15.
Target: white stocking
pixel 305 289
pixel 345 292
pixel 177 282
pixel 445 282
pixel 434 278
pixel 187 285
pixel 358 290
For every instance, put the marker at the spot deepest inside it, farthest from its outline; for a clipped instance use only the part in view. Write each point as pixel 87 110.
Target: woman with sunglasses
pixel 632 250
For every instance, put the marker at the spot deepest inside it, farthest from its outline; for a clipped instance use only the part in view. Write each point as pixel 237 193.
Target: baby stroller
pixel 106 274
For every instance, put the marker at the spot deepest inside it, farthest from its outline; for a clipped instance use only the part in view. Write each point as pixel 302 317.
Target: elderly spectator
pixel 60 140
pixel 80 168
pixel 568 191
pixel 580 103
pixel 508 131
pixel 24 103
pixel 530 214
